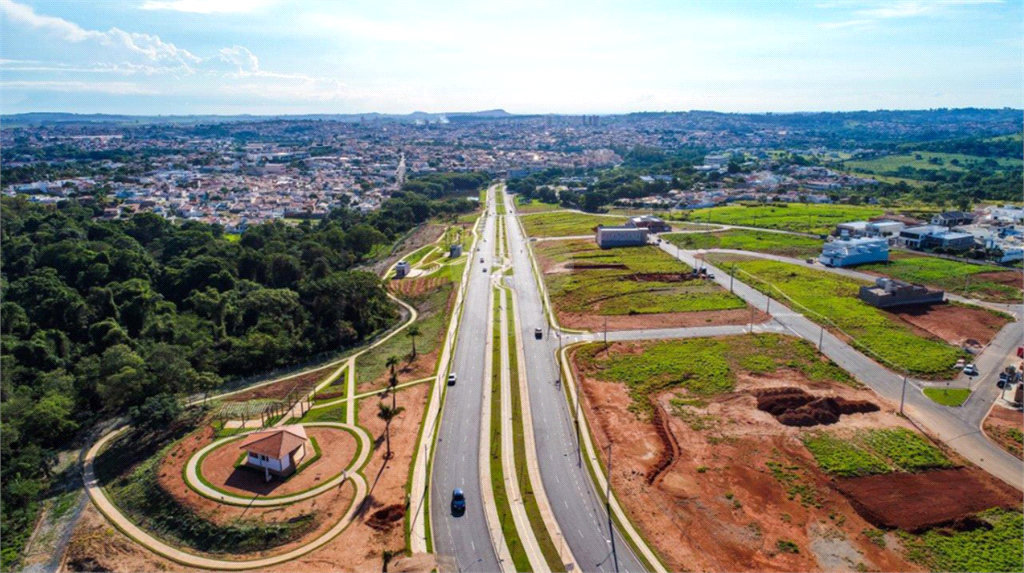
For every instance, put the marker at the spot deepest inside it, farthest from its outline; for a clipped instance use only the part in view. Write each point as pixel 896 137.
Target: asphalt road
pixel 462 543
pixel 581 514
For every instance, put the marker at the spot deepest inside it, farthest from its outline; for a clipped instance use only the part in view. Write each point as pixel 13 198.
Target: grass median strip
pixel 948 396
pixel 501 501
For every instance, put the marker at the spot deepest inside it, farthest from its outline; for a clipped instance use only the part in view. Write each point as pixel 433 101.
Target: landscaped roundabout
pixel 214 488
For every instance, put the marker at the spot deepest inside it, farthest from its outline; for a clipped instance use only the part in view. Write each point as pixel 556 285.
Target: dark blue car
pixel 458 501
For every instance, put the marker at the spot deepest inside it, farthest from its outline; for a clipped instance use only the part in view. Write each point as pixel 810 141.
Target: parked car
pixel 960 364
pixel 538 333
pixel 458 501
pixel 452 378
pixel 971 370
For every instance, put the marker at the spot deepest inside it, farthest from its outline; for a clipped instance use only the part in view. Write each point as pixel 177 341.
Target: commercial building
pixel 609 237
pixel 884 228
pixel 650 222
pixel 891 292
pixel 849 252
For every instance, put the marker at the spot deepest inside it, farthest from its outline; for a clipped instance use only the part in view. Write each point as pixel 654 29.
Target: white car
pixel 971 370
pixel 452 378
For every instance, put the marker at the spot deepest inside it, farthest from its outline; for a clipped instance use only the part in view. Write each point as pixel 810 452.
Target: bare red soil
pixel 956 324
pixel 594 322
pixel 998 425
pixel 795 407
pixel 914 502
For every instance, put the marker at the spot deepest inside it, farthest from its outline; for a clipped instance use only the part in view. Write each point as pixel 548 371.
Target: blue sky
pixel 227 57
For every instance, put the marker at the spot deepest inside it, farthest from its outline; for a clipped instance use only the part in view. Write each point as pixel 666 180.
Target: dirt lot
pixel 999 424
pixel 358 548
pixel 595 322
pixel 337 448
pixel 913 502
pixel 956 324
pixel 296 386
pixel 723 486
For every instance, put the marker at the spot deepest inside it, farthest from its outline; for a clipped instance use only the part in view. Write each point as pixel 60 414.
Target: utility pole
pixel 903 395
pixel 608 485
pixel 768 307
pixel 606 334
pixel 732 276
pixel 821 338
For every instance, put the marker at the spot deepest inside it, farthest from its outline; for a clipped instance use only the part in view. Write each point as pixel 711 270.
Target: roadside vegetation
pixel 795 246
pixel 566 223
pixel 703 367
pixel 628 280
pixel 524 205
pixel 833 297
pixel 953 276
pixel 948 396
pixel 805 218
pixel 877 451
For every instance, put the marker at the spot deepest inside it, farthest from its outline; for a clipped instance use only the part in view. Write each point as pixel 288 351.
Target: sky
pixel 174 57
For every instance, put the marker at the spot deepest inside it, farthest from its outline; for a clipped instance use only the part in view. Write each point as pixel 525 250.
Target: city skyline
pixel 221 57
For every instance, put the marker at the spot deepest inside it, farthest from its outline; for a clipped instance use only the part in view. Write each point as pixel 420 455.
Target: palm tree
pixel 387 414
pixel 391 363
pixel 393 388
pixel 413 332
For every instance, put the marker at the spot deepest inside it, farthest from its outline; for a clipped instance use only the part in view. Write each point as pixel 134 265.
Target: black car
pixel 458 502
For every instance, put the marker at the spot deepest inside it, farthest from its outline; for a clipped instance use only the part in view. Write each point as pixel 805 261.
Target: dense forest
pixel 104 318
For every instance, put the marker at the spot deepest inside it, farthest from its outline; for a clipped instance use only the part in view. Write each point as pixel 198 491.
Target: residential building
pixel 650 222
pixel 852 229
pixel 609 237
pixel 884 228
pixel 918 237
pixel 952 218
pixel 849 252
pixel 277 452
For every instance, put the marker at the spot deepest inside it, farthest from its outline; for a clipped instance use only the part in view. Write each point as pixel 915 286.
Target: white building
pixel 845 253
pixel 608 237
pixel 277 452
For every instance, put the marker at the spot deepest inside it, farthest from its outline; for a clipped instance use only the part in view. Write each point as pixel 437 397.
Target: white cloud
pixel 115 88
pixel 206 6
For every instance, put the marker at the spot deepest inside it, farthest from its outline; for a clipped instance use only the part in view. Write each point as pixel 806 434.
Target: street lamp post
pixel 821 338
pixel 903 394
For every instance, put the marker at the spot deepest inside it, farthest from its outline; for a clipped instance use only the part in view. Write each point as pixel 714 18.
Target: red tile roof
pixel 276 443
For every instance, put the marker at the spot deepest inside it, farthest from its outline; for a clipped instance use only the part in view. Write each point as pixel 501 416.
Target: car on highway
pixel 452 378
pixel 458 502
pixel 538 333
pixel 481 259
pixel 971 370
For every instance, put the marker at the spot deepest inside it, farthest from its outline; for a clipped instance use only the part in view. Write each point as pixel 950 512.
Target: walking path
pixel 194 481
pixel 114 515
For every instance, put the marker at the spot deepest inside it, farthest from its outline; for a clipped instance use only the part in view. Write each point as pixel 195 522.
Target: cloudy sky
pixel 255 56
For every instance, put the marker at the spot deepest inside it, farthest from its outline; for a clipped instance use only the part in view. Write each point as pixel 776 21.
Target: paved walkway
pixel 110 511
pixel 199 486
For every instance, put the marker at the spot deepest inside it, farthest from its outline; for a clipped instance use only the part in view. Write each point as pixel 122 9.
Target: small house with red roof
pixel 277 452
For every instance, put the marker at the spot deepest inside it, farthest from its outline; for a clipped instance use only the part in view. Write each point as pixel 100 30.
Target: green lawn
pixel 758 241
pixel 952 276
pixel 876 451
pixel 948 396
pixel 809 218
pixel 633 280
pixel 703 366
pixel 566 223
pixel 835 297
pixel 534 206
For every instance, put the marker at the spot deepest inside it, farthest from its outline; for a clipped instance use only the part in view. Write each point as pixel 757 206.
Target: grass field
pixel 534 206
pixel 835 297
pixel 566 223
pixel 874 452
pixel 996 549
pixel 948 396
pixel 893 163
pixel 952 276
pixel 810 218
pixel 703 366
pixel 633 280
pixel 757 241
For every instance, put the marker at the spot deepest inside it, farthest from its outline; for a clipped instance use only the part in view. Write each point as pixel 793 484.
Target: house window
pixel 263 458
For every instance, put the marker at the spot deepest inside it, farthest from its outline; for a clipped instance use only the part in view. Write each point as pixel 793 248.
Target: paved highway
pixel 580 512
pixel 462 543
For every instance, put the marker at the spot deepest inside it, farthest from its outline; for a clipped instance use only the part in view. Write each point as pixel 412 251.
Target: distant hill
pixel 42 118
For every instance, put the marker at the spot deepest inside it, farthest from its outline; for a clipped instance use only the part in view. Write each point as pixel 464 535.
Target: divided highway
pixel 462 543
pixel 581 514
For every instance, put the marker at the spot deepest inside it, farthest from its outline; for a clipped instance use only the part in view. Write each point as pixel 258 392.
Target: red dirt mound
pixel 795 407
pixel 385 519
pixel 914 502
pixel 591 266
pixel 660 277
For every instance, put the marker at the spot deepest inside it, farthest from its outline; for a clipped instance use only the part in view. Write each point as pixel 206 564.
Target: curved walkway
pixel 110 511
pixel 194 481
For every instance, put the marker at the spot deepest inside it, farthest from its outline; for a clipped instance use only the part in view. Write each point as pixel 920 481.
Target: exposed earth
pixel 959 325
pixel 737 491
pixel 1003 425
